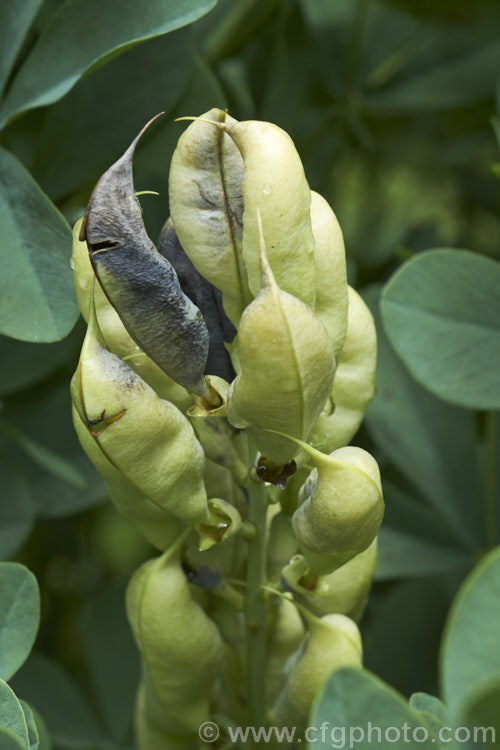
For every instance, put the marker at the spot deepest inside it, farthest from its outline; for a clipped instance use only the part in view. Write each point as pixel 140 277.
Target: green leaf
pixel 441 311
pixel 71 123
pixel 15 20
pixel 16 511
pixel 69 717
pixel 45 458
pixel 85 33
pixel 19 616
pixel 37 297
pixel 415 540
pixel 361 705
pixel 44 741
pixel 33 737
pixel 24 364
pixel 12 716
pixel 470 654
pixel 481 714
pixel 10 741
pixel 430 442
pixel 112 660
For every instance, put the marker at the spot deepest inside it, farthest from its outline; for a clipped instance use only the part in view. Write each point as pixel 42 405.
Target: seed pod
pixel 145 438
pixel 331 278
pixel 114 333
pixel 215 435
pixel 285 636
pixel 332 642
pixel 341 514
pixel 274 181
pixel 139 282
pixel 354 383
pixel 282 545
pixel 180 646
pixel 159 527
pixel 150 736
pixel 206 204
pixel 206 297
pixel 342 592
pixel 287 368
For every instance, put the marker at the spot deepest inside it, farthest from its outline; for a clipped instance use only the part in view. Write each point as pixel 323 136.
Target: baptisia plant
pixel 223 374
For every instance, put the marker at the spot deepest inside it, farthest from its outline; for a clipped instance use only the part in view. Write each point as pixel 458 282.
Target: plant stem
pixel 256 610
pixel 491 478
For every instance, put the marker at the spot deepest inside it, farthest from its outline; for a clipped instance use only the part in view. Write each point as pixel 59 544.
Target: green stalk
pixel 256 610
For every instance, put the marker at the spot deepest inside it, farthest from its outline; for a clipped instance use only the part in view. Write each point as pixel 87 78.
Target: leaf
pixel 16 511
pixel 12 716
pixel 415 540
pixel 24 364
pixel 9 741
pixel 112 660
pixel 481 714
pixel 19 616
pixel 37 297
pixel 45 743
pixel 86 33
pixel 71 123
pixel 360 704
pixel 69 717
pixel 432 443
pixel 45 458
pixel 441 311
pixel 15 20
pixel 33 738
pixel 470 654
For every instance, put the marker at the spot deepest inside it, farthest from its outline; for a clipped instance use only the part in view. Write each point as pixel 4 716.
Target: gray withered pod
pixel 139 282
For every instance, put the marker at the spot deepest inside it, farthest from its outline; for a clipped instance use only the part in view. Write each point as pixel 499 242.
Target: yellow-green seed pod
pixel 206 204
pixel 274 183
pixel 150 735
pixel 114 333
pixel 331 277
pixel 342 592
pixel 282 545
pixel 287 368
pixel 354 383
pixel 332 642
pixel 145 438
pixel 285 636
pixel 180 645
pixel 215 435
pixel 343 509
pixel 157 525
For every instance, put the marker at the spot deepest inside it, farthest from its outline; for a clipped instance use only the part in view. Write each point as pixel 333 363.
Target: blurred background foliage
pixel 391 104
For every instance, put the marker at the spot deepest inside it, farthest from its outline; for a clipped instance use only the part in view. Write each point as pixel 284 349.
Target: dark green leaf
pixel 470 655
pixel 19 616
pixel 37 297
pixel 112 659
pixel 432 443
pixel 15 20
pixel 16 511
pixel 85 32
pixel 481 714
pixel 9 741
pixel 441 311
pixel 355 700
pixel 71 721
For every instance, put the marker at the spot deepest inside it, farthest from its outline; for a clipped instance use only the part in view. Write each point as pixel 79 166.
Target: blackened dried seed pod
pixel 206 297
pixel 139 282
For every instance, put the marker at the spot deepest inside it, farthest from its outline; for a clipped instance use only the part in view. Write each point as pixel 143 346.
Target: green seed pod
pixel 150 736
pixel 331 278
pixel 285 636
pixel 157 525
pixel 282 544
pixel 215 435
pixel 342 592
pixel 342 509
pixel 354 384
pixel 139 282
pixel 332 642
pixel 274 181
pixel 206 204
pixel 145 438
pixel 180 646
pixel 114 333
pixel 287 368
